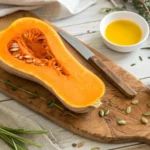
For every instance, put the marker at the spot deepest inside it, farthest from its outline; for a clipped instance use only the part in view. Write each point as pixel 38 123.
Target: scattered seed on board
pixel 106 112
pixel 101 113
pixel 135 101
pixel 27 56
pixel 128 110
pixel 144 120
pixel 14 49
pixel 29 60
pixel 146 114
pixel 121 122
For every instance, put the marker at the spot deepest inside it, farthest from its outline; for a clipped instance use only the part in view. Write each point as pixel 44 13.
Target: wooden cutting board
pixel 88 125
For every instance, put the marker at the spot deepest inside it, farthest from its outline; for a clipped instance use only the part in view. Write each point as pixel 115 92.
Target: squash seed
pixel 128 110
pixel 29 60
pixel 14 49
pixel 146 114
pixel 27 56
pixel 34 60
pixel 101 113
pixel 106 112
pixel 16 55
pixel 41 64
pixel 14 45
pixel 121 122
pixel 20 57
pixel 144 120
pixel 135 101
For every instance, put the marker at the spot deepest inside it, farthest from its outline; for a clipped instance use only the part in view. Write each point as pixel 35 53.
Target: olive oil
pixel 123 32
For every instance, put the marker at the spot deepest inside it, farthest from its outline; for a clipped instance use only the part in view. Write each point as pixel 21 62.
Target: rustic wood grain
pixel 89 125
pixel 113 78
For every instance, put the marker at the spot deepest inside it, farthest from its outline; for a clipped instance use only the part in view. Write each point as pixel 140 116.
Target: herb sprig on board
pixel 34 95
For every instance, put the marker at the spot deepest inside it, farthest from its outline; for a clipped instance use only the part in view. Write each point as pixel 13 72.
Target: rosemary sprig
pixel 142 6
pixel 140 58
pixel 146 48
pixel 23 131
pixel 18 138
pixel 11 137
pixel 133 65
pixel 34 95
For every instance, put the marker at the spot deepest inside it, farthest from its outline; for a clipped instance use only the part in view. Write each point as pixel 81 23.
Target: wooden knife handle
pixel 114 79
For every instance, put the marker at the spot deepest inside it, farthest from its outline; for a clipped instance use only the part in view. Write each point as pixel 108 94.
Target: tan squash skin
pixel 10 64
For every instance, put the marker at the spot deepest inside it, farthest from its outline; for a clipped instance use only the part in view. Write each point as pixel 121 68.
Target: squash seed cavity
pixel 32 48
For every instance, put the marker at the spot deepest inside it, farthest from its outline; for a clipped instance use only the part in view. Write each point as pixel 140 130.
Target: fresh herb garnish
pixel 133 64
pixel 140 58
pixel 51 104
pixel 148 57
pixel 146 48
pixel 13 139
pixel 35 95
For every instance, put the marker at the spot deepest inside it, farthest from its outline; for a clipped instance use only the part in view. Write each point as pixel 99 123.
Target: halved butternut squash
pixel 32 49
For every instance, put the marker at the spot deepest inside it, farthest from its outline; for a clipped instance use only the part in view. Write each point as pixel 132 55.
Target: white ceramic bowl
pixel 124 15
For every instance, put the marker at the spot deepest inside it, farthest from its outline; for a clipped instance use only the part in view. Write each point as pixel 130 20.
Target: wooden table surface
pixel 85 26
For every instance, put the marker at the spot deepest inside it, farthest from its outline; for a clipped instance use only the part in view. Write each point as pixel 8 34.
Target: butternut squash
pixel 32 49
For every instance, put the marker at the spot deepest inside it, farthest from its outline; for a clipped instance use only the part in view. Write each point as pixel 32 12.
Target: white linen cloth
pixel 13 119
pixel 51 9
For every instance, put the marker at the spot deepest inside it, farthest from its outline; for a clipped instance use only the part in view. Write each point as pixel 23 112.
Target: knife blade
pixel 98 64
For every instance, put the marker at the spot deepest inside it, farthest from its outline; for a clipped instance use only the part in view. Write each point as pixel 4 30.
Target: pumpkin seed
pixel 14 45
pixel 121 122
pixel 106 112
pixel 146 114
pixel 20 57
pixel 14 49
pixel 27 56
pixel 16 55
pixel 148 105
pixel 128 110
pixel 135 101
pixel 34 60
pixel 144 120
pixel 29 60
pixel 41 64
pixel 101 113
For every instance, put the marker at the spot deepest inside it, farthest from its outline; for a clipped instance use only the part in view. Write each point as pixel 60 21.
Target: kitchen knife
pixel 98 64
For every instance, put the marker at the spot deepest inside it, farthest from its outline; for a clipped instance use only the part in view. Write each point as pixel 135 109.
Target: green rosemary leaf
pixel 148 57
pixel 15 146
pixel 51 104
pixel 108 10
pixel 18 138
pixel 35 94
pixel 7 82
pixel 146 48
pixel 14 88
pixel 133 64
pixel 140 58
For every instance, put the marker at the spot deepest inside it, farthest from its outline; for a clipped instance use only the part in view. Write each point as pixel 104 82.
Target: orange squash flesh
pixel 52 64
